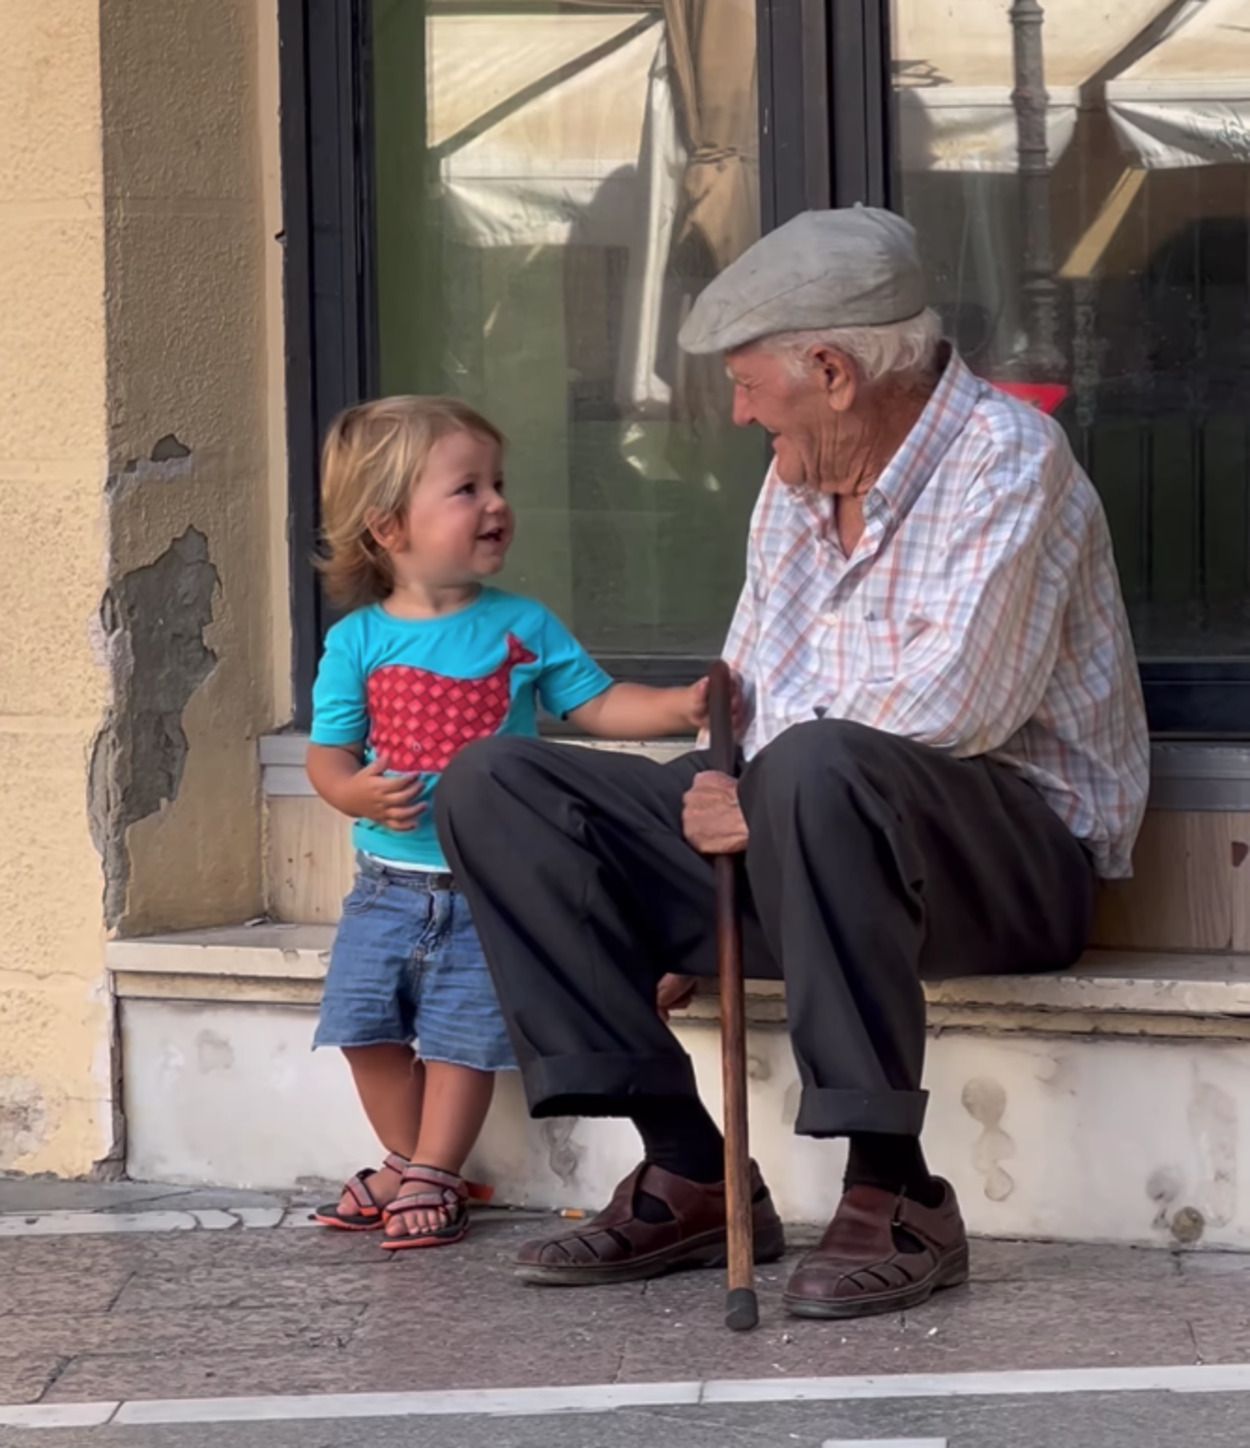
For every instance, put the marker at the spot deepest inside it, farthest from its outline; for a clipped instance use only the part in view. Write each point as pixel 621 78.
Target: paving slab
pixel 995 1261
pixel 233 1286
pixel 171 1331
pixel 58 1294
pixel 283 1369
pixel 46 1194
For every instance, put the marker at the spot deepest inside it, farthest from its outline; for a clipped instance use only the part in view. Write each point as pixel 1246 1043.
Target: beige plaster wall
pixel 140 607
pixel 55 1111
pixel 189 141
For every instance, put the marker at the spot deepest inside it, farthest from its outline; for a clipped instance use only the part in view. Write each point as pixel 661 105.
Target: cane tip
pixel 742 1311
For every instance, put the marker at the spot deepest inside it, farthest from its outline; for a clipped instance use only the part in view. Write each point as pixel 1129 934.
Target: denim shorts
pixel 407 965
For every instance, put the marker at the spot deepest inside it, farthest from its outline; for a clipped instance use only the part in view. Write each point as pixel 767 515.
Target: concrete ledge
pixel 264 951
pixel 1118 992
pixel 1184 775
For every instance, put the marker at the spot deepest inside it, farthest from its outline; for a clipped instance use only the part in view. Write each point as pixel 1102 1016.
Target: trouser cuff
pixel 578 1085
pixel 825 1112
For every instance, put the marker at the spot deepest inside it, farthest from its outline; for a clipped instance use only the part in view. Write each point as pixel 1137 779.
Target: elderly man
pixel 945 746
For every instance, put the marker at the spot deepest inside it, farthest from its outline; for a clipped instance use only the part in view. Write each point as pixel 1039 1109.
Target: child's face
pixel 458 526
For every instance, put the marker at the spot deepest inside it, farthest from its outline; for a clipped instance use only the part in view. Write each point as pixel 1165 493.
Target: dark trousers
pixel 873 862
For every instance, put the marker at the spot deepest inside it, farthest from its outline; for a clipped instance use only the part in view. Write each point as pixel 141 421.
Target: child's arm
pixel 364 793
pixel 636 711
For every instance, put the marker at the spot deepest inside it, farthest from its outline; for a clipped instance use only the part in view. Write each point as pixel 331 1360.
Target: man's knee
pixel 821 750
pixel 479 770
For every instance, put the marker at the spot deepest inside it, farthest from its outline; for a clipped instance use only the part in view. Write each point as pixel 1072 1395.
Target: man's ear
pixel 386 529
pixel 839 376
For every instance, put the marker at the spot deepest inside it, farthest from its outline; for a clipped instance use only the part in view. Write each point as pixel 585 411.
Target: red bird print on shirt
pixel 420 720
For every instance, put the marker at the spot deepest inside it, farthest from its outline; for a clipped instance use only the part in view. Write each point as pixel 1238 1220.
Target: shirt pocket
pixel 883 642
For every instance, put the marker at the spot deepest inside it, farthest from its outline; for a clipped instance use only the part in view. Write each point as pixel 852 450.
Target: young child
pixel 431 659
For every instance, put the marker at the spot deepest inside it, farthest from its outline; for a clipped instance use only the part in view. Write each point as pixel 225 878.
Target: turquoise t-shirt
pixel 419 690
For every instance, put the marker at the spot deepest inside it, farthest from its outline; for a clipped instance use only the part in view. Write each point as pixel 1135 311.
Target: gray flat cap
pixel 854 267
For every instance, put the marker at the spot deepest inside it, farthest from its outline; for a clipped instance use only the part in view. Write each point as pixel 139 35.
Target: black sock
pixel 678 1135
pixel 893 1163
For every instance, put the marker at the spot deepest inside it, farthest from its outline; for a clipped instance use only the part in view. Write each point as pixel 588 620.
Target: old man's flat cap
pixel 854 267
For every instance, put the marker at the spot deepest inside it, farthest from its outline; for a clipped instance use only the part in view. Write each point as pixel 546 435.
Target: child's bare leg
pixel 456 1101
pixel 390 1082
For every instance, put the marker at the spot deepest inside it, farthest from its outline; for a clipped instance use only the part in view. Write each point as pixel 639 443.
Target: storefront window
pixel 1079 174
pixel 553 185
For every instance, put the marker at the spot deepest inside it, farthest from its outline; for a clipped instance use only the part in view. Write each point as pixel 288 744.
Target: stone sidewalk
pixel 279 1310
pixel 220 1295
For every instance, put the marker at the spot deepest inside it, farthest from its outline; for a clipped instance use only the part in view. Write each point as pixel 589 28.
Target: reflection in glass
pixel 1080 176
pixel 554 184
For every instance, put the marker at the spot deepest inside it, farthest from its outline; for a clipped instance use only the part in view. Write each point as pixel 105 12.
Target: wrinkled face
pixel 458 526
pixel 798 408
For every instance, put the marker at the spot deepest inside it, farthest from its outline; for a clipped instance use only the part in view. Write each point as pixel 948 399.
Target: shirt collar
pixel 945 416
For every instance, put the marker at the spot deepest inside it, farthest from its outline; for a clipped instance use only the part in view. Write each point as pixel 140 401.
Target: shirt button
pixel 869 616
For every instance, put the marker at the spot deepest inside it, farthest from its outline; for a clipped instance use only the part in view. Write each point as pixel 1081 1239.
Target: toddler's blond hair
pixel 373 457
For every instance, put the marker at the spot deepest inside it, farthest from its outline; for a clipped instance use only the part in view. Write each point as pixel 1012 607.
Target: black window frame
pixel 825 113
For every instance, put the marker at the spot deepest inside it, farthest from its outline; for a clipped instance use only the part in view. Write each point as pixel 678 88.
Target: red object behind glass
pixel 1044 395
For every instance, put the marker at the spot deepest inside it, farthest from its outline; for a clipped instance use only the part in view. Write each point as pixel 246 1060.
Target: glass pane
pixel 1079 174
pixel 555 183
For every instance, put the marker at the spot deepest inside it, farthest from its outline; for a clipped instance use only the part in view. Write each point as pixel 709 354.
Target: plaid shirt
pixel 980 613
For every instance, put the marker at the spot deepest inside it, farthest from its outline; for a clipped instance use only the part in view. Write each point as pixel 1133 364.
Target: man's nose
pixel 742 414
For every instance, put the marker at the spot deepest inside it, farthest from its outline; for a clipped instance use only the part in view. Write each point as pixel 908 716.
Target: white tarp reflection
pixel 1187 101
pixel 953 75
pixel 538 121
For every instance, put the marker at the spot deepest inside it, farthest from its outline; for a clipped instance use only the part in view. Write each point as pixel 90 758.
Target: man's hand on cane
pixel 712 820
pixel 714 825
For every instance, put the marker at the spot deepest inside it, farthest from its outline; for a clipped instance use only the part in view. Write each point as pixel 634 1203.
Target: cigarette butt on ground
pixel 572 1214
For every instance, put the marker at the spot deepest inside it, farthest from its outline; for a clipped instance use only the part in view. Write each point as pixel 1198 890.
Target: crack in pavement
pixel 116 1297
pixel 58 1371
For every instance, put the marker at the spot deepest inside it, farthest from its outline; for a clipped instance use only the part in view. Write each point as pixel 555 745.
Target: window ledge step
pixel 1109 992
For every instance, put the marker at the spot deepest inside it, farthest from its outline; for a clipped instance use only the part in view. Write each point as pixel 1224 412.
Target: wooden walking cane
pixel 741 1309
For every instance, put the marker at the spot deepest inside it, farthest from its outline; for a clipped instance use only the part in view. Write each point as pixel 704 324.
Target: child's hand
pixel 387 799
pixel 698 705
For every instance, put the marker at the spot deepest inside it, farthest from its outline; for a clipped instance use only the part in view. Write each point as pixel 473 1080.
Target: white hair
pixel 902 351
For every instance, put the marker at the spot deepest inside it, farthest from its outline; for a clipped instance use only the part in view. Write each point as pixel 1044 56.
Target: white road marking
pixel 608 1397
pixel 480 1402
pixel 884 1443
pixel 1204 1378
pixel 57 1415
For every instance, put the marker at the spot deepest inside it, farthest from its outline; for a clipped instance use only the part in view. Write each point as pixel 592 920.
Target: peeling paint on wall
pixel 985 1100
pixel 23 1119
pixel 563 1153
pixel 1213 1124
pixel 153 621
pixel 170 461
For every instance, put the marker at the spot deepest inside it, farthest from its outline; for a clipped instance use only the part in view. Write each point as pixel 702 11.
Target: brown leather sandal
pixel 881 1253
pixel 617 1246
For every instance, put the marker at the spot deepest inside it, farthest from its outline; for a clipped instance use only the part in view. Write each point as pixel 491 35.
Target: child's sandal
pixel 430 1189
pixel 370 1214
